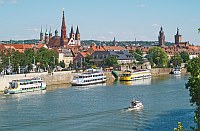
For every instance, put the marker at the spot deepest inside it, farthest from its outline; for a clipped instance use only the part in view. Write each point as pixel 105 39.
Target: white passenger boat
pixel 91 76
pixel 25 85
pixel 129 75
pixel 135 105
pixel 177 71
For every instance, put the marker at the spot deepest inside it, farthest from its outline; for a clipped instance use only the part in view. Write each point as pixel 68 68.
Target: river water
pixel 100 107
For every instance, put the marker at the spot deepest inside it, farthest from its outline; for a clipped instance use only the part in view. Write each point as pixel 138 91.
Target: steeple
pixel 50 34
pixel 63 28
pixel 161 37
pixel 77 30
pixel 46 32
pixel 56 32
pixel 77 37
pixel 41 35
pixel 71 34
pixel 41 30
pixel 63 39
pixel 178 37
pixel 177 33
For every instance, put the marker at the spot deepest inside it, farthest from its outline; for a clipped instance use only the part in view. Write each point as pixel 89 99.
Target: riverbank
pixel 64 77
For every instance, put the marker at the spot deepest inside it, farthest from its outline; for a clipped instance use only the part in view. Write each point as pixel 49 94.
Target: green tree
pixel 138 55
pixel 179 128
pixel 111 61
pixel 62 64
pixel 184 56
pixel 176 60
pixel 46 58
pixel 193 85
pixel 157 56
pixel 86 61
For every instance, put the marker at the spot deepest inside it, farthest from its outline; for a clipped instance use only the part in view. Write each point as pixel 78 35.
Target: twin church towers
pixel 177 36
pixel 63 40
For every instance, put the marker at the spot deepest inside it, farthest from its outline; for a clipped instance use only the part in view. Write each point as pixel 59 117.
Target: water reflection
pixel 89 86
pixel 137 82
pixel 55 87
pixel 26 95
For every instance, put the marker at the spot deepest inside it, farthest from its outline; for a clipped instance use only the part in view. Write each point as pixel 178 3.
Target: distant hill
pixel 124 43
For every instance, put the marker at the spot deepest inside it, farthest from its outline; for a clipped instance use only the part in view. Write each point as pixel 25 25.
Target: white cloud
pixel 111 32
pixel 155 25
pixel 9 1
pixel 141 5
pixel 34 29
pixel 13 1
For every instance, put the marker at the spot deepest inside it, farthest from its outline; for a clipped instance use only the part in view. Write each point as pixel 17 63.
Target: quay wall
pixel 64 77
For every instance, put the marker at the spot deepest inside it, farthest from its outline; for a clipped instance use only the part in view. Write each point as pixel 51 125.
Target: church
pixel 61 41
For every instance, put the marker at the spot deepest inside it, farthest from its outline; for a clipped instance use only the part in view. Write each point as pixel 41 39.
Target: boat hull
pixel 135 108
pixel 17 91
pixel 85 84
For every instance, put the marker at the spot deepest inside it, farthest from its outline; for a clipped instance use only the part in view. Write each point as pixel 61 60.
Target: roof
pixel 114 48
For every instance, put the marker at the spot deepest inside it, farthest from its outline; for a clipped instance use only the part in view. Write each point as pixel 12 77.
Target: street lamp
pixel 54 60
pixel 34 60
pixel 9 61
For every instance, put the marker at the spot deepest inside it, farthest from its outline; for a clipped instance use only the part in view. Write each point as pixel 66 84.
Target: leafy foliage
pixel 43 58
pixel 176 60
pixel 179 128
pixel 157 57
pixel 193 85
pixel 184 56
pixel 111 61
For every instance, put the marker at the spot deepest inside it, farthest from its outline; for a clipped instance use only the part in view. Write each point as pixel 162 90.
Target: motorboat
pixel 177 71
pixel 135 105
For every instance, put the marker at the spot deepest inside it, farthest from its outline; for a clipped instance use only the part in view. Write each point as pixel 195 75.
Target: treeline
pixel 12 60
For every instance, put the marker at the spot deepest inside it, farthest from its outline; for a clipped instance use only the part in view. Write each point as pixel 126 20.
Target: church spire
pixel 177 31
pixel 63 39
pixel 41 30
pixel 77 30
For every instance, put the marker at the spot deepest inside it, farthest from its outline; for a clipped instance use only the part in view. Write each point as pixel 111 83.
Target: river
pixel 100 107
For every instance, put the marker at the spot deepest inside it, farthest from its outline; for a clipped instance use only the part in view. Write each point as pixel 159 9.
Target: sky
pixel 102 19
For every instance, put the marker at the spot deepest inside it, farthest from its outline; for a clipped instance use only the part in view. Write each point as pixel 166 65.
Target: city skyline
pixel 101 20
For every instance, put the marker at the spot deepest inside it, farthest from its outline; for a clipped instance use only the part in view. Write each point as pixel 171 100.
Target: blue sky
pixel 102 19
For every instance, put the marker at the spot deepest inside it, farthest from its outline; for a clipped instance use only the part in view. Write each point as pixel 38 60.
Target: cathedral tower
pixel 46 37
pixel 71 34
pixel 161 37
pixel 41 36
pixel 50 33
pixel 63 39
pixel 178 37
pixel 78 36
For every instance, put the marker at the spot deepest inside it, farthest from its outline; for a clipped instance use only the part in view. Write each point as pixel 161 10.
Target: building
pixel 61 41
pixel 161 38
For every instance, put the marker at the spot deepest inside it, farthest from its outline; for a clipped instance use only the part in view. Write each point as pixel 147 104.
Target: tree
pixel 157 56
pixel 62 64
pixel 111 61
pixel 185 56
pixel 176 60
pixel 193 85
pixel 46 58
pixel 179 128
pixel 138 55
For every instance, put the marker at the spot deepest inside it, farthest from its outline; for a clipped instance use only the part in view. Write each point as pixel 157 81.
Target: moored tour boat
pixel 91 76
pixel 177 71
pixel 25 85
pixel 129 75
